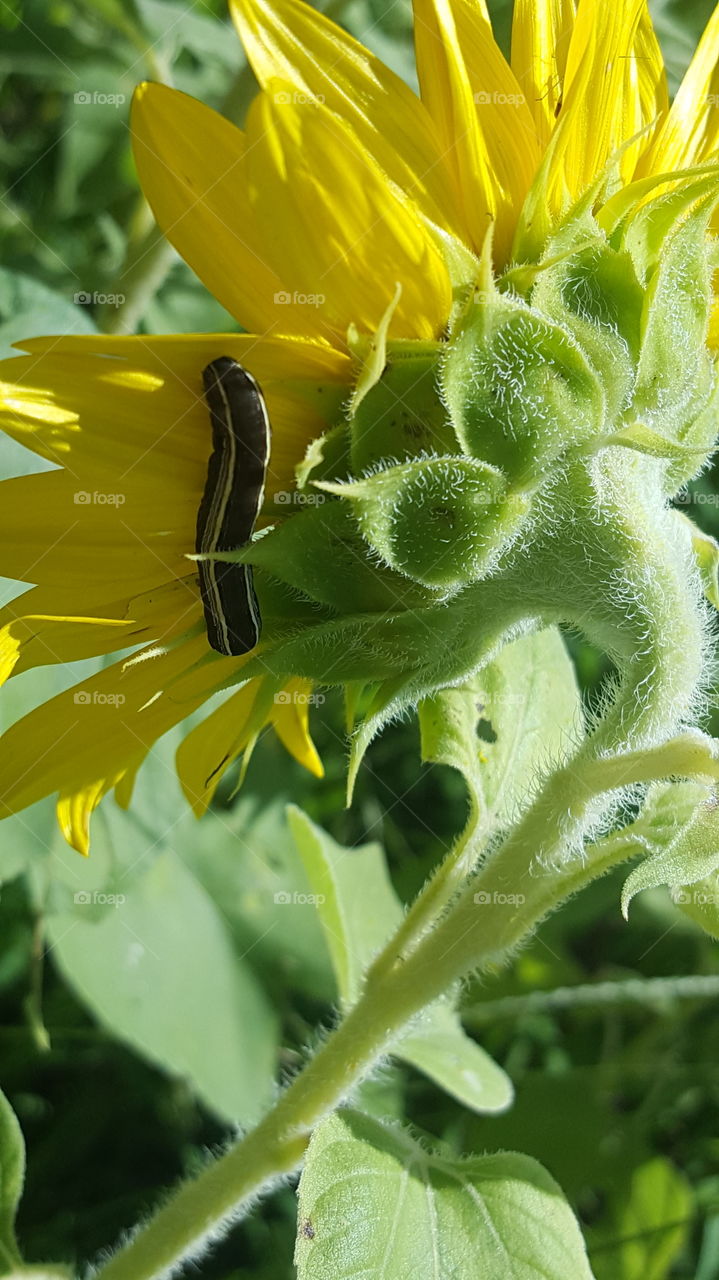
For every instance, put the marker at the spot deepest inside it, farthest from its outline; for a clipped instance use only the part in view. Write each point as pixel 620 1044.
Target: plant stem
pixel 659 649
pixel 148 262
pixel 33 1001
pixel 201 1210
pixel 596 997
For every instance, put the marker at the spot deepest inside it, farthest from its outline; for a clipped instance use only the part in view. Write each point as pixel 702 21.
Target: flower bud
pixel 519 390
pixel 441 521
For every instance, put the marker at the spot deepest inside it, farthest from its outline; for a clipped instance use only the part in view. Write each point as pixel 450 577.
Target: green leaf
pixel 531 699
pixel 356 903
pixel 359 911
pixel 247 860
pixel 650 1226
pixel 700 902
pixel 667 808
pixel 438 1046
pixel 374 1203
pixel 12 1178
pixel 529 704
pixel 159 971
pixel 448 726
pixel 689 854
pixel 28 308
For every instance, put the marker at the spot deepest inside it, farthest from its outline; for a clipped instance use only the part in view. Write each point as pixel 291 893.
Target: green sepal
pixel 401 416
pixel 371 351
pixel 321 553
pixel 595 295
pixel 646 223
pixel 652 444
pixel 392 699
pixel 326 458
pixel 614 216
pixel 364 647
pixel 676 376
pixel 443 522
pixel 536 229
pixel 282 606
pixel 519 390
pixel 690 856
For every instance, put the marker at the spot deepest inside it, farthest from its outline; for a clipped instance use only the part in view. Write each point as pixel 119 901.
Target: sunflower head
pixel 474 313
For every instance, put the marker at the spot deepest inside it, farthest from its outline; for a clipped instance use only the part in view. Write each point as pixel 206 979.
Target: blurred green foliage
pixel 121 1083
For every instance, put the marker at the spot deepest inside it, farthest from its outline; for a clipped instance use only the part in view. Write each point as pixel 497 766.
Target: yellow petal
pixel 541 31
pixel 335 232
pixel 74 810
pixel 39 627
pixel 290 41
pixel 290 719
pixel 609 93
pixel 191 165
pixel 210 747
pixel 85 738
pixel 691 131
pixel 54 532
pixel 480 111
pixel 35 640
pixel 127 419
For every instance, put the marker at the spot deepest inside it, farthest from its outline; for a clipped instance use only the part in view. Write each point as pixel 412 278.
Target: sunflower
pixel 344 221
